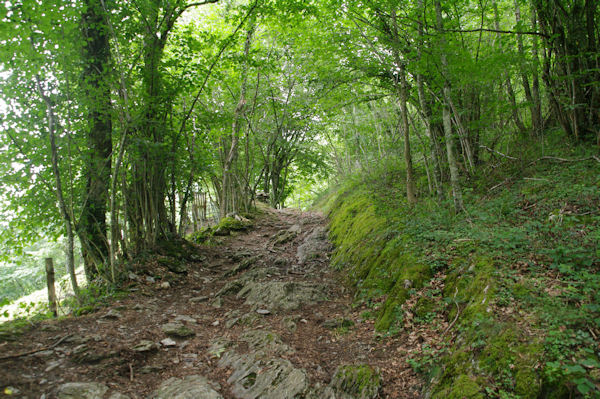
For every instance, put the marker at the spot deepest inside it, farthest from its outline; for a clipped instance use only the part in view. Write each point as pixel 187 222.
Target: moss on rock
pixel 485 347
pixel 360 381
pixel 463 387
pixel 236 223
pixel 378 260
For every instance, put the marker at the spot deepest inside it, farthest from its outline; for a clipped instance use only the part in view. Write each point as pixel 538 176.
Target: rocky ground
pixel 258 314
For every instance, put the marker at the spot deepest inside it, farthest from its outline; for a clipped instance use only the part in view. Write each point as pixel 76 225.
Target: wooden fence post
pixel 51 290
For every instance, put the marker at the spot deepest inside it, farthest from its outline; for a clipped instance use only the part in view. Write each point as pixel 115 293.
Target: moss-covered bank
pixel 377 257
pixel 520 288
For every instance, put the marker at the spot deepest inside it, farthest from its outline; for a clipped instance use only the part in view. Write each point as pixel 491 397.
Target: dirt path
pixel 256 280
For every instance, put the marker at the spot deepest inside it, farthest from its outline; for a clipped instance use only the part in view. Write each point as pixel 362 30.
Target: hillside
pixel 503 298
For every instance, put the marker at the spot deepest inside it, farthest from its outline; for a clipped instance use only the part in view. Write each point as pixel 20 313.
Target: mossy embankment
pixel 520 270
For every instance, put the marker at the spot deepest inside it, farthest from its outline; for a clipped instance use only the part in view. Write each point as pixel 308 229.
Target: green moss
pixel 425 306
pixel 521 291
pixel 527 383
pixel 471 283
pixel 375 254
pixel 463 387
pixel 201 235
pixel 412 276
pixel 360 381
pixel 224 228
pixel 234 224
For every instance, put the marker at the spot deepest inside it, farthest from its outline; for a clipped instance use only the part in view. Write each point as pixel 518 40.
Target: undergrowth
pixel 521 267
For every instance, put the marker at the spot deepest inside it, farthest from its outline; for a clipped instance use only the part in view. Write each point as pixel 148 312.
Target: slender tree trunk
pixel 65 214
pixel 411 194
pixel 228 184
pixel 125 120
pixel 535 81
pixel 402 86
pixel 92 229
pixel 508 83
pixel 447 119
pixel 535 116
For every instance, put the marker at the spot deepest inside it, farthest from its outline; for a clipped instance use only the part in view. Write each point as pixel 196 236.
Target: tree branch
pixel 215 60
pixel 496 31
pixel 196 4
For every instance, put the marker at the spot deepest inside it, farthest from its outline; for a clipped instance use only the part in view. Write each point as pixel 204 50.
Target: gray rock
pixel 172 264
pixel 281 295
pixel 185 318
pixel 242 266
pixel 217 303
pixel 145 346
pixel 81 390
pixel 232 318
pixel 118 395
pixel 177 330
pixel 248 319
pixel 190 387
pixel 263 312
pixel 265 341
pixel 167 342
pixel 222 231
pixel 112 314
pixel 43 354
pixel 296 228
pixel 231 288
pixel 283 237
pixel 314 246
pixel 319 392
pixel 261 373
pixel 198 299
pixel 234 287
pixel 239 255
pixel 52 365
pixel 218 347
pixel 256 377
pixel 85 354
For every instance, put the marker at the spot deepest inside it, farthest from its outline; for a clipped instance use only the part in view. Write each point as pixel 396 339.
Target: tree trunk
pixel 447 119
pixel 573 75
pixel 92 229
pixel 508 83
pixel 229 187
pixel 402 86
pixel 535 81
pixel 65 214
pixel 411 194
pixel 533 108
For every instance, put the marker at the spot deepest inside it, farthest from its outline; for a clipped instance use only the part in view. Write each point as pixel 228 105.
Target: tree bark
pixel 92 229
pixel 402 86
pixel 447 119
pixel 507 79
pixel 65 214
pixel 229 187
pixel 536 119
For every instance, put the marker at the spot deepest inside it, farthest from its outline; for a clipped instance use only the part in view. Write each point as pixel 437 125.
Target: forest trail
pixel 256 314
